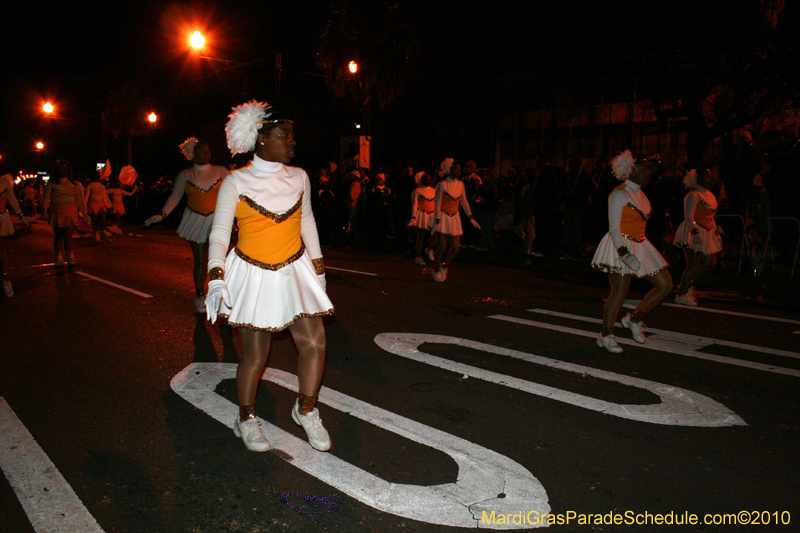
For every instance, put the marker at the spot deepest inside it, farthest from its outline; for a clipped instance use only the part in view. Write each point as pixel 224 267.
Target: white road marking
pixel 48 500
pixel 348 270
pixel 123 287
pixel 631 304
pixel 694 342
pixel 678 407
pixel 655 344
pixel 482 473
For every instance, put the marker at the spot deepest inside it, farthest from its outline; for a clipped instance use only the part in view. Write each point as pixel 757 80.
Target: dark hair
pixel 57 171
pixel 275 115
pixel 425 179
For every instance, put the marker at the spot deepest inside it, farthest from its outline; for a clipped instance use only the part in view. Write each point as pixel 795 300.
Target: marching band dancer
pixel 450 193
pixel 7 199
pixel 116 192
pixel 274 278
pixel 201 184
pixel 63 199
pixel 96 201
pixel 422 208
pixel 698 234
pixel 626 252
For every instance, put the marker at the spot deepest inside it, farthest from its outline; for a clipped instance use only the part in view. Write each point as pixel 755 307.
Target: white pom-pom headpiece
pixel 446 164
pixel 241 131
pixel 418 177
pixel 187 147
pixel 690 179
pixel 623 165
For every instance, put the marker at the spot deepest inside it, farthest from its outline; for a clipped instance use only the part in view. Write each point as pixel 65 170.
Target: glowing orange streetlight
pixel 48 108
pixel 39 145
pixel 197 40
pixel 152 117
pixel 353 67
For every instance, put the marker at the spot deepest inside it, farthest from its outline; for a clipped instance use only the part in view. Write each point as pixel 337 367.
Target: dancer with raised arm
pixel 698 234
pixel 201 184
pixel 625 251
pixel 274 278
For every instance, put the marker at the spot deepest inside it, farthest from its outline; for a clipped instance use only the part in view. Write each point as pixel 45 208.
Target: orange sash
pixel 704 215
pixel 423 204
pixel 202 201
pixel 449 204
pixel 633 223
pixel 268 240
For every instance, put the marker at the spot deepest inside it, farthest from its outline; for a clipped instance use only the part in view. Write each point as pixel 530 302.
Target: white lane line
pixel 348 270
pixel 123 287
pixel 48 500
pixel 483 475
pixel 694 342
pixel 661 346
pixel 678 407
pixel 631 304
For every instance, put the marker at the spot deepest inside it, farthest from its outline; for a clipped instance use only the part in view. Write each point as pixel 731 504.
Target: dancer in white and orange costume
pixel 698 234
pixel 116 192
pixel 97 204
pixel 625 251
pixel 422 209
pixel 63 200
pixel 201 184
pixel 7 199
pixel 274 278
pixel 450 194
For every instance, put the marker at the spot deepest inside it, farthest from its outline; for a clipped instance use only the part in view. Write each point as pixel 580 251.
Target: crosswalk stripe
pixel 631 304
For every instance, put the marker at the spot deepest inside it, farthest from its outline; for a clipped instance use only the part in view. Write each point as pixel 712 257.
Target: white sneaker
pixel 419 261
pixel 691 295
pixel 317 434
pixel 7 289
pixel 116 230
pixel 431 257
pixel 200 304
pixel 609 343
pixel 250 433
pixel 70 259
pixel 59 262
pixel 97 237
pixel 440 276
pixel 636 329
pixel 684 299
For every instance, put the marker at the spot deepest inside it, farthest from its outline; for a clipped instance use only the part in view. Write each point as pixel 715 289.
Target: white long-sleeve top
pixel 428 192
pixel 8 188
pixel 63 195
pixel 275 187
pixel 95 192
pixel 620 197
pixel 690 201
pixel 202 176
pixel 455 189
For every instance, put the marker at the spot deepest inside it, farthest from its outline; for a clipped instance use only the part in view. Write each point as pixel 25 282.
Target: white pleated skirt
pixel 272 300
pixel 423 220
pixel 195 227
pixel 608 260
pixel 451 225
pixel 706 242
pixel 6 227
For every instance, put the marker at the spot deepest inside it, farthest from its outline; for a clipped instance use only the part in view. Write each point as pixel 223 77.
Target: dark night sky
pixel 75 55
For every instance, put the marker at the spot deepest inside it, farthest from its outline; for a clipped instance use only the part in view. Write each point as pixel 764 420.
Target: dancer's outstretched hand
pixel 155 219
pixel 217 293
pixel 475 223
pixel 631 261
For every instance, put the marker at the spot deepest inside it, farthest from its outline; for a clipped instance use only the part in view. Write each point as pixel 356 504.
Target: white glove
pixel 217 293
pixel 321 278
pixel 475 223
pixel 412 222
pixel 26 220
pixel 155 219
pixel 631 261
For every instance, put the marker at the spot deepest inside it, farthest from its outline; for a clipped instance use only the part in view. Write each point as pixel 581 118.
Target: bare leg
pixel 441 246
pixel 255 351
pixel 619 290
pixel 309 337
pixel 689 271
pixel 662 286
pixel 3 260
pixel 67 233
pixel 707 263
pixel 200 254
pixel 455 243
pixel 420 241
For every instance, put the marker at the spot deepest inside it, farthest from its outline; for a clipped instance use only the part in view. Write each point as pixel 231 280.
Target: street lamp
pixel 39 145
pixel 353 67
pixel 197 40
pixel 152 117
pixel 48 108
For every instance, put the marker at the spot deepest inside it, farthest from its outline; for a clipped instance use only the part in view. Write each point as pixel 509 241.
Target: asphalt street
pixel 445 402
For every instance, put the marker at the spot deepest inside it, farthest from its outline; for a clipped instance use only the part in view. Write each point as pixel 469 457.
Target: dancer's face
pixel 644 171
pixel 277 144
pixel 202 154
